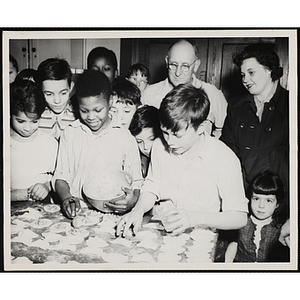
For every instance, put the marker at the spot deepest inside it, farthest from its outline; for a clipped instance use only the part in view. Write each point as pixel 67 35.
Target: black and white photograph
pixel 150 150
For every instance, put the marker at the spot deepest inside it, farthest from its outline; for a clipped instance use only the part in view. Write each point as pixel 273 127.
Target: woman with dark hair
pixel 257 124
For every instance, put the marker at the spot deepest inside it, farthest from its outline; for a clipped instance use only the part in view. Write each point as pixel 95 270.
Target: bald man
pixel 182 61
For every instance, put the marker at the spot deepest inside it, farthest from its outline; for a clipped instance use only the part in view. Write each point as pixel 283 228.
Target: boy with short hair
pixel 126 98
pixel 93 144
pixel 54 76
pixel 200 174
pixel 103 60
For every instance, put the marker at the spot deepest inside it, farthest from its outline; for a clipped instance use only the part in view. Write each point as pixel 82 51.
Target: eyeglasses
pixel 184 67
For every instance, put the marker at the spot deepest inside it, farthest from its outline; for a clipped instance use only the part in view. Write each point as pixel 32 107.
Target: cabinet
pixel 30 53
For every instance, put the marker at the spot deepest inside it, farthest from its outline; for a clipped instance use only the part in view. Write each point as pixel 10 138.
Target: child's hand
pixel 177 220
pixel 134 218
pixel 285 233
pixel 38 191
pixel 71 206
pixel 124 205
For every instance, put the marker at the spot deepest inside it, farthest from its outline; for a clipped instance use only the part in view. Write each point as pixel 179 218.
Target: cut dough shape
pixel 148 244
pixel 60 227
pixel 41 223
pixel 51 208
pixel 96 242
pixel 122 241
pixel 146 235
pixel 143 257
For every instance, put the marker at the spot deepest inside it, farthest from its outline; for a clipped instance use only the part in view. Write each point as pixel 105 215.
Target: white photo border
pixel 104 33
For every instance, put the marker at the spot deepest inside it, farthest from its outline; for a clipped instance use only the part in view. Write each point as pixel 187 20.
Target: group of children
pixel 60 140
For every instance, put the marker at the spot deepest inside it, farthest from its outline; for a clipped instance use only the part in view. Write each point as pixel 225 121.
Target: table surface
pixel 94 244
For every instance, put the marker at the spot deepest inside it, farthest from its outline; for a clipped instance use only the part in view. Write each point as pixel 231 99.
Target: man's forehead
pixel 182 51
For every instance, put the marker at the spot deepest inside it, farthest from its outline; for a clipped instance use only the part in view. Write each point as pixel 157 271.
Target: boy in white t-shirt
pixel 198 173
pixel 33 152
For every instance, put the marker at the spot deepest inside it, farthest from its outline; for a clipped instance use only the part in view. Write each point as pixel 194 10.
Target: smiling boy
pixel 93 144
pixel 200 175
pixel 55 79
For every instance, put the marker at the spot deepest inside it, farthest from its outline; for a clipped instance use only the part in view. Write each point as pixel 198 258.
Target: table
pixel 58 242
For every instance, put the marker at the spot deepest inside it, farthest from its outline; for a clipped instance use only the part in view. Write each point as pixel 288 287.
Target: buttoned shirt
pixel 83 154
pixel 211 182
pixel 259 145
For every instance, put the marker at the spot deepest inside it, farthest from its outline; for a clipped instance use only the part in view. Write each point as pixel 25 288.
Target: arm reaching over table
pixel 125 204
pixel 70 205
pixel 135 217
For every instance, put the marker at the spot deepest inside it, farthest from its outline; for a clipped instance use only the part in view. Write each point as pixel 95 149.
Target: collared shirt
pixel 83 154
pixel 211 182
pixel 32 162
pixel 55 123
pixel 155 93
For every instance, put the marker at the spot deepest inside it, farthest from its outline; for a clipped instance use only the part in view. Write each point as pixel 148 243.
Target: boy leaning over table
pixel 199 173
pixel 93 144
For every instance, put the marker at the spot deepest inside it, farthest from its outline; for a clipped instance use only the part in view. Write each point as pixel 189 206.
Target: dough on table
pixel 168 258
pixel 51 208
pixel 146 235
pixel 91 250
pixel 172 249
pixel 114 257
pixel 96 242
pixel 122 241
pixel 52 237
pixel 149 244
pixel 60 227
pixel 41 223
pixel 143 257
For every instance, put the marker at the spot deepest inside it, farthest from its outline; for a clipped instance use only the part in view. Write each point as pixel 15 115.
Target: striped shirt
pixel 54 124
pixel 83 154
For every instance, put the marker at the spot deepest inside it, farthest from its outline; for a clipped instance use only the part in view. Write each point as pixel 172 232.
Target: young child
pixel 200 175
pixel 93 144
pixel 13 69
pixel 103 60
pixel 145 127
pixel 139 75
pixel 126 98
pixel 259 237
pixel 33 153
pixel 54 76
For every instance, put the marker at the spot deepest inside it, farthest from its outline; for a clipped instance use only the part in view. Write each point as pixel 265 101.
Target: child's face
pixel 94 112
pixel 12 73
pixel 139 80
pixel 104 65
pixel 145 140
pixel 57 94
pixel 181 141
pixel 263 206
pixel 24 125
pixel 122 112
